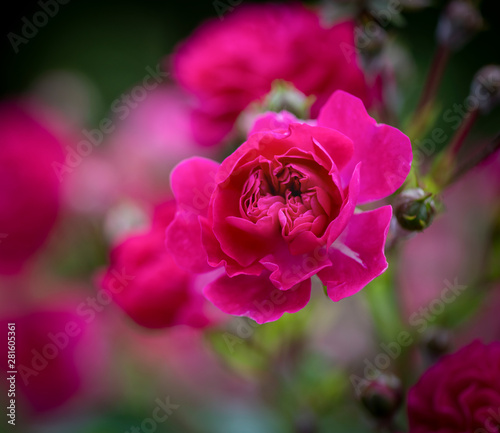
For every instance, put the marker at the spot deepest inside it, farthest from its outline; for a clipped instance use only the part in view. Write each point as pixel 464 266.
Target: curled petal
pixel 256 297
pixel 192 183
pixel 345 215
pixel 358 254
pixel 384 151
pixel 275 122
pixel 217 257
pixel 337 144
pixel 288 270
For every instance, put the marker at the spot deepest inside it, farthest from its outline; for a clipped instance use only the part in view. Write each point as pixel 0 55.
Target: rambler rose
pixel 461 393
pixel 55 368
pixel 282 208
pixel 29 188
pixel 159 293
pixel 227 65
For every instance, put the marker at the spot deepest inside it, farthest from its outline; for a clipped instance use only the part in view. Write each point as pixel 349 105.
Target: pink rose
pixel 55 367
pixel 29 192
pixel 229 64
pixel 155 292
pixel 281 209
pixel 149 141
pixel 461 393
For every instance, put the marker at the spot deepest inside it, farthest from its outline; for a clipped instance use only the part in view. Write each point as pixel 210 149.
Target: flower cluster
pixel 274 164
pixel 282 208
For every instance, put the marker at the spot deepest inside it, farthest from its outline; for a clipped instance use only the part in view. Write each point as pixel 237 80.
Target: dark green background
pixel 112 42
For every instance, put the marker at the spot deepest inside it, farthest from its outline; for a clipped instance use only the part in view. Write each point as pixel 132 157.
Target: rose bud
pixel 438 341
pixel 458 24
pixel 370 39
pixel 485 88
pixel 383 396
pixel 415 209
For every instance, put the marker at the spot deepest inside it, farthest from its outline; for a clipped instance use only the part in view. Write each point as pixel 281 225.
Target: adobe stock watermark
pixel 371 29
pixel 11 373
pixel 30 27
pixel 121 107
pixel 59 341
pixel 222 7
pixel 419 321
pixel 454 116
pixel 162 411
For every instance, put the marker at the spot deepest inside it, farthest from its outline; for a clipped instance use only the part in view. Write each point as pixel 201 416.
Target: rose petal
pixel 288 270
pixel 274 122
pixel 338 225
pixel 256 297
pixel 337 144
pixel 385 151
pixel 358 254
pixel 217 257
pixel 192 184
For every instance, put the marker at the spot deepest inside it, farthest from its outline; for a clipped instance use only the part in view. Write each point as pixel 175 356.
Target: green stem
pixel 434 78
pixel 461 170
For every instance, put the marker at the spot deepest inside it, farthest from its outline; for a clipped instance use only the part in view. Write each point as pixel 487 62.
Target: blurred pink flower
pixel 147 144
pixel 461 393
pixel 280 209
pixel 155 293
pixel 93 187
pixel 30 189
pixel 228 65
pixel 54 365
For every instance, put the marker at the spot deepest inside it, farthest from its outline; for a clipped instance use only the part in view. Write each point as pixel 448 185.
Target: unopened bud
pixel 437 342
pixel 485 88
pixel 370 38
pixel 459 22
pixel 383 396
pixel 414 209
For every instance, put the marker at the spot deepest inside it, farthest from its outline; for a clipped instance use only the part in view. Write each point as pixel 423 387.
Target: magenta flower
pixel 148 142
pixel 30 190
pixel 54 366
pixel 281 209
pixel 461 393
pixel 155 292
pixel 227 65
